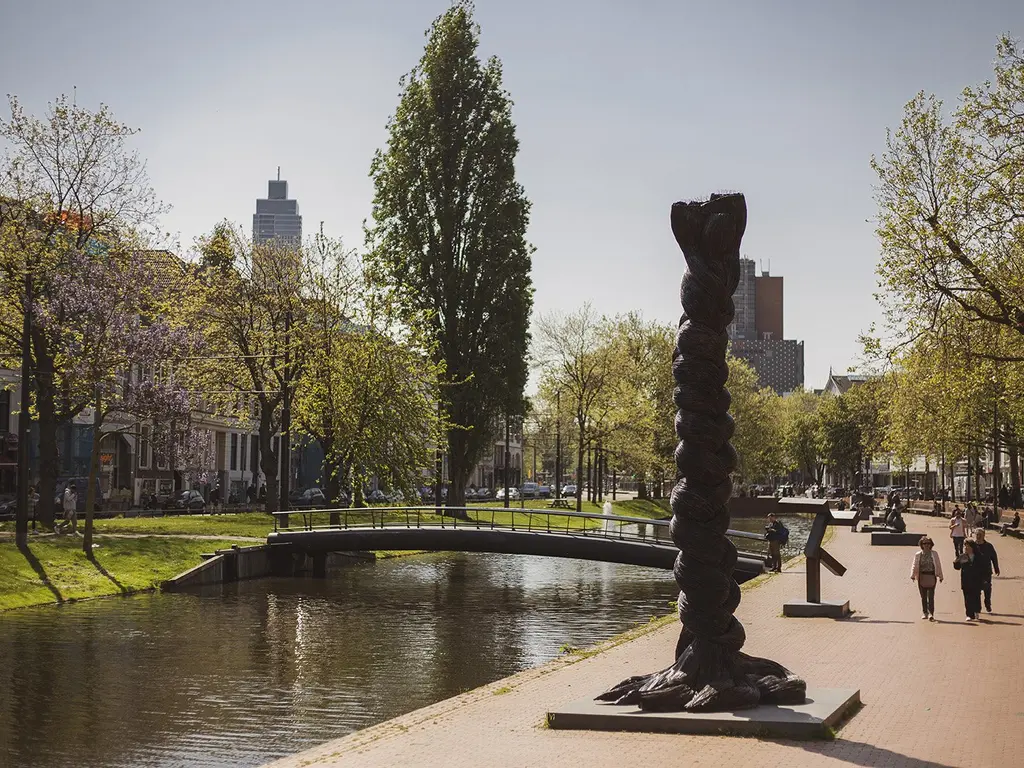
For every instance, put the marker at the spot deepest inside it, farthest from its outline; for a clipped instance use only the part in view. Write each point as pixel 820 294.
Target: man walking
pixel 70 503
pixel 957 530
pixel 988 561
pixel 773 534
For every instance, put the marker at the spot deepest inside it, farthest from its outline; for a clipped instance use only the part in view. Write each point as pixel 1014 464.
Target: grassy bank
pixel 55 570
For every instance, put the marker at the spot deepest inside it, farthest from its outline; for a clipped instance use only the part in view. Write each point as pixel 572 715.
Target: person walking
pixel 970 518
pixel 70 503
pixel 957 531
pixel 970 579
pixel 926 571
pixel 988 561
pixel 773 533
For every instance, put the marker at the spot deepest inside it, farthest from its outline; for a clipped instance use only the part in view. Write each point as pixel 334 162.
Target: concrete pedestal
pixel 877 519
pixel 876 528
pixel 813 719
pixel 830 609
pixel 895 539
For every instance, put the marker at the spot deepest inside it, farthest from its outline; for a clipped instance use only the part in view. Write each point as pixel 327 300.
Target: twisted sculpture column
pixel 710 672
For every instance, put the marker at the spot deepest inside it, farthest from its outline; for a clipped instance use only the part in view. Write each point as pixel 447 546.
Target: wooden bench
pixel 559 504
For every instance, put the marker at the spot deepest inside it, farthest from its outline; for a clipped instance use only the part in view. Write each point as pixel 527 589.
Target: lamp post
pixel 508 457
pixel 558 444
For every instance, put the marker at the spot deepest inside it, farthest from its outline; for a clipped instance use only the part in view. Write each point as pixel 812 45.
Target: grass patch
pixel 57 571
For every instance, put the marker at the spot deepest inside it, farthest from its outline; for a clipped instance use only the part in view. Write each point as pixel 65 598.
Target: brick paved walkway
pixel 935 694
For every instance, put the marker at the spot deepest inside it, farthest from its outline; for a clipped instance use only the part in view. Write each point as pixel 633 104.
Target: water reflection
pixel 249 672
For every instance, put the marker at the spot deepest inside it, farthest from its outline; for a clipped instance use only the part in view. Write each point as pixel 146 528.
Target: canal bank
pixel 918 681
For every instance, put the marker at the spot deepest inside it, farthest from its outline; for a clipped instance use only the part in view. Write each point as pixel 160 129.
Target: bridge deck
pixel 590 545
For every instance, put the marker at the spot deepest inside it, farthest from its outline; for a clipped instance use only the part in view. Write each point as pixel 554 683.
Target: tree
pixel 838 437
pixel 950 206
pixel 757 412
pixel 67 179
pixel 799 433
pixel 255 321
pixel 101 315
pixel 369 393
pixel 449 233
pixel 578 362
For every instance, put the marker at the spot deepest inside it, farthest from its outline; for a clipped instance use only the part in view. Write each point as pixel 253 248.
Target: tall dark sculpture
pixel 710 672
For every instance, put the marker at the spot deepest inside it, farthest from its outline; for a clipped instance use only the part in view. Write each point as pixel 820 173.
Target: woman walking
pixel 969 565
pixel 957 531
pixel 926 572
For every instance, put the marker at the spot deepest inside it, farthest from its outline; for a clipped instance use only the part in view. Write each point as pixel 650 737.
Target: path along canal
pixel 242 674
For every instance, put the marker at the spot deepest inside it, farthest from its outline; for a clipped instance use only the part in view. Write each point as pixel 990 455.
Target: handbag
pixel 927 580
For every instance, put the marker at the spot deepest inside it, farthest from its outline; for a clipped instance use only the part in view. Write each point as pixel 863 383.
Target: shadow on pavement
pixel 858 619
pixel 41 573
pixel 859 753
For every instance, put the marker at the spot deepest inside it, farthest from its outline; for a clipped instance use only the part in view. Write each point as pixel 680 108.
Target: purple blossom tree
pixel 109 312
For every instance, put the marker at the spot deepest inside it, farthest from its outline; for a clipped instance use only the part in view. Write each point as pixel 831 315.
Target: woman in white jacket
pixel 927 572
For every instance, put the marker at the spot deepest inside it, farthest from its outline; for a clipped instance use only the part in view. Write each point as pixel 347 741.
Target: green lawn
pixel 56 569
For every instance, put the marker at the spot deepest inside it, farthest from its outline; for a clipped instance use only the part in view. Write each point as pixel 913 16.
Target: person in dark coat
pixel 970 567
pixel 988 562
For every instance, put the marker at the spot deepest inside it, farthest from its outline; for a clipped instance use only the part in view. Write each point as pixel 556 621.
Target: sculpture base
pixel 813 719
pixel 829 609
pixel 878 519
pixel 895 539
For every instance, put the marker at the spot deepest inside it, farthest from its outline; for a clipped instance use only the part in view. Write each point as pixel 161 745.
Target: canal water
pixel 249 672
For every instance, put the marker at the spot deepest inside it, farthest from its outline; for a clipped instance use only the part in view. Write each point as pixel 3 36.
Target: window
pixel 5 410
pixel 234 451
pixel 242 462
pixel 144 448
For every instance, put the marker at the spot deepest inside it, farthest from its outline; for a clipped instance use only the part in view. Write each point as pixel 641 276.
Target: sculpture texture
pixel 710 672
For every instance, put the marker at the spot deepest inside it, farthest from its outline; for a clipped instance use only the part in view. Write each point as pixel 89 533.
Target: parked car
pixel 544 491
pixel 310 498
pixel 483 494
pixel 513 494
pixel 426 494
pixel 376 497
pixel 395 496
pixel 190 501
pixel 470 494
pixel 8 506
pixel 530 490
pixel 569 490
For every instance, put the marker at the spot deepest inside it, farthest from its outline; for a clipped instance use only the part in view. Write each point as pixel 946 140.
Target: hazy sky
pixel 622 108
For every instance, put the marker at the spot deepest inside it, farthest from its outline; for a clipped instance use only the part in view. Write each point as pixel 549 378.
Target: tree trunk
pixel 458 472
pixel 710 672
pixel 49 459
pixel 94 472
pixel 579 463
pixel 268 460
pixel 641 487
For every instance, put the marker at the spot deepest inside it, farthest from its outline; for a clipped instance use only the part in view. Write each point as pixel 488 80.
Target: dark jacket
pixel 773 531
pixel 989 559
pixel 971 574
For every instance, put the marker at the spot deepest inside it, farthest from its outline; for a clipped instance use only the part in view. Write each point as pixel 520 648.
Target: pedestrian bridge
pixel 578 535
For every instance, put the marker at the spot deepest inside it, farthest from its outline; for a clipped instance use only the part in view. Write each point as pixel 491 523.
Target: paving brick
pixel 946 693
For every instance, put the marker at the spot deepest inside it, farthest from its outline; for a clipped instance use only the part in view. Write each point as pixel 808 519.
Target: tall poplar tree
pixel 450 233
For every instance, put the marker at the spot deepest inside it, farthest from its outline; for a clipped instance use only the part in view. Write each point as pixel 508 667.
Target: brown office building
pixel 756 332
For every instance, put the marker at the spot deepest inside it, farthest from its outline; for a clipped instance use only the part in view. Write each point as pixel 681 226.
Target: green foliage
pixel 449 232
pixel 760 429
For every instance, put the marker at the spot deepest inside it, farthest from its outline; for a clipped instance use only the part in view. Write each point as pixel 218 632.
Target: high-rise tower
pixel 277 217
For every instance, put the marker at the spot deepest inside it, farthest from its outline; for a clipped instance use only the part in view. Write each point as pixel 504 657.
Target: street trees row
pixel 950 202
pixel 381 357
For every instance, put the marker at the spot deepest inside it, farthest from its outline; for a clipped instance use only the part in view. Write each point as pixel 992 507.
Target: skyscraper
pixel 756 331
pixel 277 217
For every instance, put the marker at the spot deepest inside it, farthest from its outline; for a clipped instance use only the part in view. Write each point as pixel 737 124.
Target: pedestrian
pixel 926 570
pixel 215 498
pixel 988 561
pixel 70 502
pixel 970 518
pixel 957 531
pixel 250 494
pixel 1012 525
pixel 773 533
pixel 969 566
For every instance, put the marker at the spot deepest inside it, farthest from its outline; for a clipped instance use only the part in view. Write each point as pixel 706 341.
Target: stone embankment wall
pixel 239 563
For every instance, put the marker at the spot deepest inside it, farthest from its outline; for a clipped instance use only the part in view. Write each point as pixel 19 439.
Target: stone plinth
pixel 830 609
pixel 811 720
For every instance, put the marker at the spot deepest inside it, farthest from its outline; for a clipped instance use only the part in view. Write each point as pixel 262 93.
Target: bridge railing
pixel 568 522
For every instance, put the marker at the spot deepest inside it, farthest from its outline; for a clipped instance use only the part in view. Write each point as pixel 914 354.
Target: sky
pixel 621 109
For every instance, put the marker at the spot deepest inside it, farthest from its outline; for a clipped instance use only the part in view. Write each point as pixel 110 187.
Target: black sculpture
pixel 710 672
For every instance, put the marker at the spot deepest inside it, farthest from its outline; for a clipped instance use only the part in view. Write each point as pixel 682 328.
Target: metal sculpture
pixel 710 672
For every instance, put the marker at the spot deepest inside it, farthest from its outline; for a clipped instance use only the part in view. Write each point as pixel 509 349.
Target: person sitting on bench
pixel 1014 524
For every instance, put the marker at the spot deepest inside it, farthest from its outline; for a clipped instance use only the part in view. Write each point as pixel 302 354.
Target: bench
pixel 559 504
